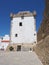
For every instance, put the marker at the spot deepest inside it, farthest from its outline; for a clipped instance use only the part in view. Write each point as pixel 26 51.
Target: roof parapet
pixel 23 13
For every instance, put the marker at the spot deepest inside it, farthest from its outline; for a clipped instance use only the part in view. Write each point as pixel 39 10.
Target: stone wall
pixel 42 50
pixel 44 28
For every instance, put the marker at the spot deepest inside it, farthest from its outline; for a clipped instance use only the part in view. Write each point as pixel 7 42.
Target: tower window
pixel 16 35
pixel 20 24
pixel 34 34
pixel 34 41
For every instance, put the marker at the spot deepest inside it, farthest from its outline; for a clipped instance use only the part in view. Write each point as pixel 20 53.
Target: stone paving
pixel 19 58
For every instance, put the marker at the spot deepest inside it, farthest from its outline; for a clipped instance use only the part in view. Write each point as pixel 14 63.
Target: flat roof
pixel 23 13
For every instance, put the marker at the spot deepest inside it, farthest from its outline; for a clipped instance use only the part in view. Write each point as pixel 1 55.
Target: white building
pixel 23 29
pixel 4 42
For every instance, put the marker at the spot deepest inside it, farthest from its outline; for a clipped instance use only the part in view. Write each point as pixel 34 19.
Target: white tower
pixel 23 28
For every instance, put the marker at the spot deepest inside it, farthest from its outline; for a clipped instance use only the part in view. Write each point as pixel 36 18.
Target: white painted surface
pixel 3 45
pixel 4 42
pixel 6 37
pixel 25 32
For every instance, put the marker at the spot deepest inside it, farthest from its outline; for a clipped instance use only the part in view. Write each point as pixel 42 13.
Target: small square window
pixel 16 35
pixel 34 34
pixel 34 41
pixel 20 24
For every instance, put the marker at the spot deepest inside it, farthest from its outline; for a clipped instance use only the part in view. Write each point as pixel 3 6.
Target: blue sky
pixel 14 6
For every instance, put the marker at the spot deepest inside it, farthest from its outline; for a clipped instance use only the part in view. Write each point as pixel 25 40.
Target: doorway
pixel 19 48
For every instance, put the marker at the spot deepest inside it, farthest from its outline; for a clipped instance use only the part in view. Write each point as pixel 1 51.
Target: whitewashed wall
pixel 4 42
pixel 25 32
pixel 6 37
pixel 3 45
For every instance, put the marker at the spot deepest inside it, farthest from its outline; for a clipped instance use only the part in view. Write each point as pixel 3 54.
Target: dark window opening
pixel 16 35
pixel 20 24
pixel 34 34
pixel 34 41
pixel 19 48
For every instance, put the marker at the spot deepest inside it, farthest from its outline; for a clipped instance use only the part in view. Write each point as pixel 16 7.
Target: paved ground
pixel 19 58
